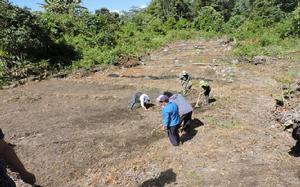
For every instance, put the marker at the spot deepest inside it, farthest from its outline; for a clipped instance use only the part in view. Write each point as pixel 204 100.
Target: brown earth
pixel 79 131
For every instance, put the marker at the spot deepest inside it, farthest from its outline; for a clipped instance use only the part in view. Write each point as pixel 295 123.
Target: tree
pixel 209 20
pixel 287 5
pixel 155 9
pixel 225 7
pixel 181 9
pixel 25 39
pixel 266 10
pixel 198 4
pixel 21 33
pixel 167 8
pixel 62 6
pixel 242 7
pixel 291 26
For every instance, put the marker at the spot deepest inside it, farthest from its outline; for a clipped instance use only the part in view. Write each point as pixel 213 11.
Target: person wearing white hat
pixel 141 98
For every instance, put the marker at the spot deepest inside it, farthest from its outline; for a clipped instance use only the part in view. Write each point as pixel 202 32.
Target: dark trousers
pixel 206 94
pixel 6 181
pixel 185 120
pixel 173 135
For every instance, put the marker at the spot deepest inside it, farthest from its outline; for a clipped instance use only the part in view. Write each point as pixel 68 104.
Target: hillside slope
pixel 79 131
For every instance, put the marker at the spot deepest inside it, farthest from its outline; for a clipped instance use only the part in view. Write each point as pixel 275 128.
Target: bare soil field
pixel 80 132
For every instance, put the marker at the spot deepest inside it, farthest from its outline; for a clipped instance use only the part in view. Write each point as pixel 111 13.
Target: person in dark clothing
pixel 171 119
pixel 205 91
pixel 8 158
pixel 296 135
pixel 185 120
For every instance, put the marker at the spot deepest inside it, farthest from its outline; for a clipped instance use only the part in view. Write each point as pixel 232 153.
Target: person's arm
pixel 166 118
pixel 14 163
pixel 143 103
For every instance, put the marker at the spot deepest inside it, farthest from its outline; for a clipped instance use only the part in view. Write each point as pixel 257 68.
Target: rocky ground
pixel 79 131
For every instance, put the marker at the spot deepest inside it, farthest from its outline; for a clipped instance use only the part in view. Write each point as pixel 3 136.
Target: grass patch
pixel 222 101
pixel 211 120
pixel 287 78
pixel 196 178
pixel 230 125
pixel 221 123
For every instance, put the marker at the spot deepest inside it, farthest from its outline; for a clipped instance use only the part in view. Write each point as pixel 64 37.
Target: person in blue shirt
pixel 171 118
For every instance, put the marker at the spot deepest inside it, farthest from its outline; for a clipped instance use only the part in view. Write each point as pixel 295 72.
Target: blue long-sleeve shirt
pixel 171 115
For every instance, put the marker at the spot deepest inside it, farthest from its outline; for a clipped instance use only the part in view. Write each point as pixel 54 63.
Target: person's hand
pixel 163 128
pixel 28 177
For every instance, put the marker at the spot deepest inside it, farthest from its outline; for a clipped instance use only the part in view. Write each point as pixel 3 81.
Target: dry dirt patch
pixel 79 132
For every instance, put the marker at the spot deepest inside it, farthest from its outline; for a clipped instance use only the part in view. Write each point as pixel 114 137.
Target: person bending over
pixel 141 98
pixel 171 118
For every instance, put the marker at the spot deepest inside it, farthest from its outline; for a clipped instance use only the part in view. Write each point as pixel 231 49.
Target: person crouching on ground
pixel 171 118
pixel 141 98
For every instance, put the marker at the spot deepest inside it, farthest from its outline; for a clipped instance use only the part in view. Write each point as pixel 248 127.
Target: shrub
pixel 21 33
pixel 250 29
pixel 157 26
pixel 183 24
pixel 170 23
pixel 209 20
pixel 292 25
pixel 268 11
pixel 235 22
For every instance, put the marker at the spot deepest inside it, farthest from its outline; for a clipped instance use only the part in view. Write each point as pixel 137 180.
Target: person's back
pixel 185 111
pixel 183 105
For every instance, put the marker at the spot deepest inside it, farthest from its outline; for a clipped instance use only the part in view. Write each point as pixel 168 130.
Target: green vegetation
pixel 67 35
pixel 287 78
pixel 230 125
